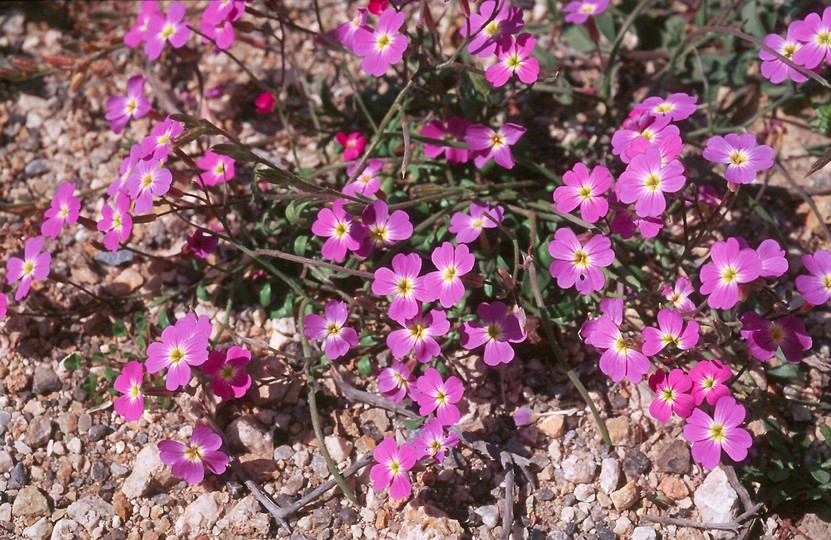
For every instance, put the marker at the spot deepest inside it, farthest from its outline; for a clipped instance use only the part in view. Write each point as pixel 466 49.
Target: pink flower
pixel 345 33
pixel 678 296
pixel 159 143
pixel 383 46
pixel 815 35
pixel 228 370
pixel 741 155
pixel 468 227
pixel 515 59
pixel 670 329
pixel 4 306
pixel 524 417
pixel 63 210
pixel 147 181
pixel 200 245
pixel 342 231
pixel 774 69
pixel 383 229
pixel 620 358
pixel 578 264
pixel 647 179
pixel 395 382
pixel 816 286
pixel 377 7
pixel 580 10
pixel 453 131
pixel 709 436
pixel 183 345
pixel 772 259
pixel 265 102
pixel 671 396
pixel 765 337
pixel 626 222
pixel 367 182
pixel 612 309
pixel 116 221
pixel 162 29
pixel 337 338
pixel 730 267
pixel 435 394
pixel 33 265
pixel 353 144
pixel 125 170
pixel 677 107
pixel 432 441
pixel 131 404
pixel 643 132
pixel 216 169
pixel 419 333
pixel 497 333
pixel 138 33
pixel 709 378
pixel 189 462
pixel 585 190
pixel 488 37
pixel 403 284
pixel 485 143
pixel 216 22
pixel 392 466
pixel 120 109
pixel 445 283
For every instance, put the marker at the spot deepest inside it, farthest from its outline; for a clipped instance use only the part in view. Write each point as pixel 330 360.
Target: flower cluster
pixel 807 43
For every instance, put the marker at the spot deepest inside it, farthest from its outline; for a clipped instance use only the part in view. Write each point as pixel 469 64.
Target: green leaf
pixel 265 295
pixel 237 152
pixel 365 366
pixel 784 371
pixel 73 362
pixel 826 433
pixel 119 328
pixel 300 245
pixel 414 423
pixel 577 36
pixel 823 477
pixel 139 324
pixel 606 24
pixel 164 320
pixel 202 292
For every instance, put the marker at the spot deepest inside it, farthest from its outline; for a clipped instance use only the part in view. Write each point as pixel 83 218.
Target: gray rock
pixel 200 515
pixel 584 493
pixel 41 530
pixel 109 258
pixel 609 475
pixel 36 167
pixel 245 434
pixel 716 500
pixel 579 469
pixel 245 519
pixel 38 432
pixel 45 380
pixel 284 452
pixel 489 515
pixel 118 470
pixel 64 528
pixel 89 511
pixel 674 458
pixel 5 418
pixel 30 502
pixel 99 471
pixel 319 466
pixel 19 477
pixel 98 432
pixel 148 471
pixel 84 422
pixel 636 462
pixel 644 533
pixel 545 494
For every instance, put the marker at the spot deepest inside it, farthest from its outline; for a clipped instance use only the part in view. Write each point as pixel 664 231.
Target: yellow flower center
pixel 441 397
pixel 383 41
pixel 341 229
pixel 789 49
pixel 585 192
pixel 497 141
pixel 227 373
pixel 667 339
pixel 708 383
pixel 333 329
pixel 718 433
pixel 580 259
pixel 395 467
pixel 28 268
pixel 351 143
pixel 824 38
pixel 379 233
pixel 135 391
pixel 146 180
pixel 132 105
pixel 648 135
pixel 826 281
pixel 652 182
pixel 400 381
pixel 163 138
pixel 168 31
pixel 193 453
pixel 621 345
pixel 64 211
pixel 176 355
pixel 492 28
pixel 664 108
pixel 729 275
pixel 117 220
pixel 588 9
pixel 418 331
pixel 514 62
pixel 404 287
pixel 777 333
pixel 436 446
pixel 219 170
pixel 449 274
pixel 668 395
pixel 494 331
pixel 675 299
pixel 477 223
pixel 738 158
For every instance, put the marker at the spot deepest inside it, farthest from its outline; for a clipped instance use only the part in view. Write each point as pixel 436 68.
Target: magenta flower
pixel 643 132
pixel 403 284
pixel 367 183
pixel 392 466
pixel 485 143
pixel 709 378
pixel 147 181
pixel 159 143
pixel 741 155
pixel 125 170
pixel 216 22
pixel 435 394
pixel 432 441
pixel 216 169
pixel 816 286
pixel 189 462
pixel 676 107
pixel 647 179
pixel 496 332
pixel 33 265
pixel 670 329
pixel 228 370
pixel 200 245
pixel 337 338
pixel 489 37
pixel 383 229
pixel 612 309
pixel 120 109
pixel 515 59
pixel 183 345
pixel 353 144
pixel 419 333
pixel 678 296
pixel 772 259
pixel 585 190
pixel 765 337
pixel 138 33
pixel 445 283
pixel 453 131
pixel 709 436
pixel 131 404
pixel 162 29
pixel 63 210
pixel 672 396
pixel 626 222
pixel 341 231
pixel 580 10
pixel 578 264
pixel 396 382
pixel 116 222
pixel 620 359
pixel 4 306
pixel 524 417
pixel 815 35
pixel 730 267
pixel 774 69
pixel 345 33
pixel 383 46
pixel 265 102
pixel 468 227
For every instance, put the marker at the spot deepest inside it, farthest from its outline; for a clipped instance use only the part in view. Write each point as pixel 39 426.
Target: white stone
pixel 489 515
pixel 40 530
pixel 339 448
pixel 89 511
pixel 147 469
pixel 64 528
pixel 200 515
pixel 644 533
pixel 716 500
pixel 579 469
pixel 609 475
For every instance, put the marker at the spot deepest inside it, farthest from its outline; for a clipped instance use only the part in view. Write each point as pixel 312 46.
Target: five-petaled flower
pixel 366 183
pixel 342 232
pixel 815 34
pixel 586 190
pixel 677 107
pixel 671 330
pixel 131 404
pixel 419 333
pixel 216 169
pixel 189 462
pixel 620 359
pixel 672 396
pixel 709 379
pixel 353 144
pixel 816 285
pixel 383 46
pixel 162 29
pixel 63 210
pixel 397 381
pixel 515 59
pixel 432 440
pixel 445 284
pixel 468 227
pixel 580 10
pixel 391 468
pixel 579 264
pixel 646 179
pixel 183 345
pixel 148 180
pixel 33 265
pixel 435 394
pixel 485 143
pixel 382 228
pixel 403 284
pixel 120 109
pixel 159 143
pixel 765 337
pixel 452 132
pixel 678 295
pixel 491 29
pixel 227 367
pixel 774 69
pixel 731 266
pixel 496 332
pixel 711 435
pixel 337 338
pixel 741 155
pixel 116 222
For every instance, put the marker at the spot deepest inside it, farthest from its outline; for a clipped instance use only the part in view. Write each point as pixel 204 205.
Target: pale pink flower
pixel 816 286
pixel 579 264
pixel 445 284
pixel 432 440
pixel 216 169
pixel 337 338
pixel 391 468
pixel 33 265
pixel 586 190
pixel 709 436
pixel 435 394
pixel 131 404
pixel 709 379
pixel 63 210
pixel 671 330
pixel 189 462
